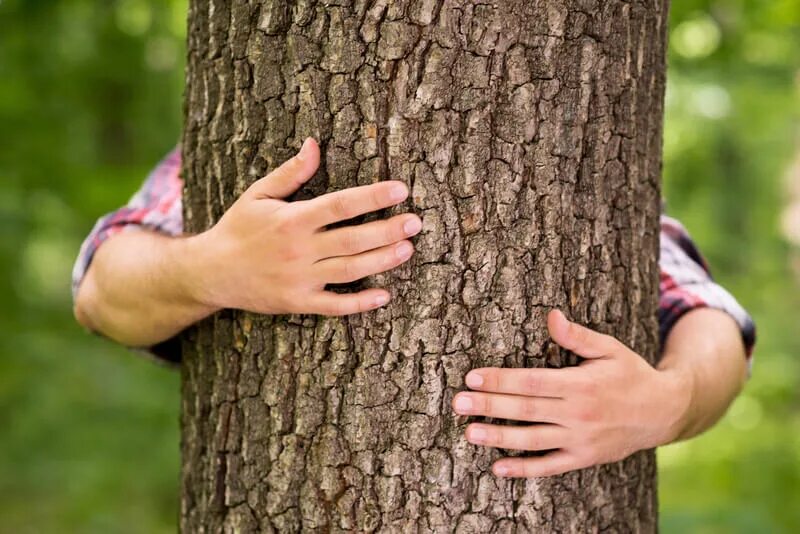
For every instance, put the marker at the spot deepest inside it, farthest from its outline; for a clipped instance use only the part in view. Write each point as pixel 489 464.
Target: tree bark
pixel 529 132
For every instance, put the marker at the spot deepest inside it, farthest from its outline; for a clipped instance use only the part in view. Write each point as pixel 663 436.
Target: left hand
pixel 603 410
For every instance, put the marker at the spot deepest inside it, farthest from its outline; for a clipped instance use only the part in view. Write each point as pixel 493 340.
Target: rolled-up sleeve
pixel 156 206
pixel 686 284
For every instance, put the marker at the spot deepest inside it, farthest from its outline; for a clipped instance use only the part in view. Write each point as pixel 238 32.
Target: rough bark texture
pixel 530 134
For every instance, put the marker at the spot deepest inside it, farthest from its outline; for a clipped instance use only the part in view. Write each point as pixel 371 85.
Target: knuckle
pixel 351 242
pixel 389 259
pixel 292 251
pixel 528 409
pixel 349 270
pixel 376 197
pixel 364 304
pixel 573 331
pixel 482 404
pixel 336 309
pixel 532 382
pixel 339 206
pixel 394 233
pixel 586 386
pixel 548 471
pixel 491 380
pixel 294 164
pixel 531 470
pixel 497 437
pixel 581 334
pixel 531 441
pixel 588 413
pixel 286 222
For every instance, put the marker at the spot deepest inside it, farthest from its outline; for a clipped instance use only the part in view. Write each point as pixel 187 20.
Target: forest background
pixel 91 99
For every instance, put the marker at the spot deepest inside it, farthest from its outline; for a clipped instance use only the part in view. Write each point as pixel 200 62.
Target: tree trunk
pixel 529 132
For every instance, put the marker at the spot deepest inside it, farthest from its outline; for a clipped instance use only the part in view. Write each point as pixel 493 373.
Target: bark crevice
pixel 529 133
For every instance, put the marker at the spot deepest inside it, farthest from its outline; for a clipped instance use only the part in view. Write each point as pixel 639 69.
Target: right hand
pixel 270 256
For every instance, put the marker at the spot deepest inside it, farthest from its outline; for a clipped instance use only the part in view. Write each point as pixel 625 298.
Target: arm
pixel 142 288
pixel 264 255
pixel 714 368
pixel 614 403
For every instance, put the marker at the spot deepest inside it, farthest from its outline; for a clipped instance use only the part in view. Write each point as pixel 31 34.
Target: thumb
pixel 290 176
pixel 576 338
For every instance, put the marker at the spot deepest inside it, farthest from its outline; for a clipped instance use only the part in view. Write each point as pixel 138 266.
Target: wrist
pixel 197 273
pixel 680 388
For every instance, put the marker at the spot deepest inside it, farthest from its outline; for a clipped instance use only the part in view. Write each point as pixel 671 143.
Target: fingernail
pixel 501 470
pixel 404 250
pixel 474 380
pixel 381 300
pixel 412 226
pixel 398 192
pixel 463 404
pixel 478 434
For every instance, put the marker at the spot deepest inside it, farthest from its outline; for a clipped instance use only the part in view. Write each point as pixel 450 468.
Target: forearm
pixel 705 350
pixel 142 288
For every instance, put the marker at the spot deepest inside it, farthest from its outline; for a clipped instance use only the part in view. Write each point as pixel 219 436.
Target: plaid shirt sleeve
pixel 156 206
pixel 686 284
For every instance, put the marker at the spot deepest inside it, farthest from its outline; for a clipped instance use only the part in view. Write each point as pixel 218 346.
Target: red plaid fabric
pixel 156 206
pixel 686 281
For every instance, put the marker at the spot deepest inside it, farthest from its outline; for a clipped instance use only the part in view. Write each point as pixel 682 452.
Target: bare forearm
pixel 265 255
pixel 705 347
pixel 141 288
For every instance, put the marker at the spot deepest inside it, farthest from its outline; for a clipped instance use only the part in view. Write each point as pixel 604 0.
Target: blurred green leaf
pixel 90 99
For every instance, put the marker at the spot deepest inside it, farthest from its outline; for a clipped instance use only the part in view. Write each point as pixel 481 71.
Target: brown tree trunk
pixel 530 134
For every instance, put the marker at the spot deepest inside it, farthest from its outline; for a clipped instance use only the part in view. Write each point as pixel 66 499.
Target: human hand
pixel 267 255
pixel 603 410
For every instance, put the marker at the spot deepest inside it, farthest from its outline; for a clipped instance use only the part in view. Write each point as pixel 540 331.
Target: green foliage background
pixel 90 99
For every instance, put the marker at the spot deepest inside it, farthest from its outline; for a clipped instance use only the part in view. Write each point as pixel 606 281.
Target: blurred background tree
pixel 90 100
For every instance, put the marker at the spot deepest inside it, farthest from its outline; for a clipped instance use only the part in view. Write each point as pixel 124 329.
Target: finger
pixel 344 269
pixel 349 203
pixel 579 339
pixel 528 382
pixel 554 463
pixel 357 239
pixel 521 438
pixel 514 407
pixel 336 304
pixel 290 176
